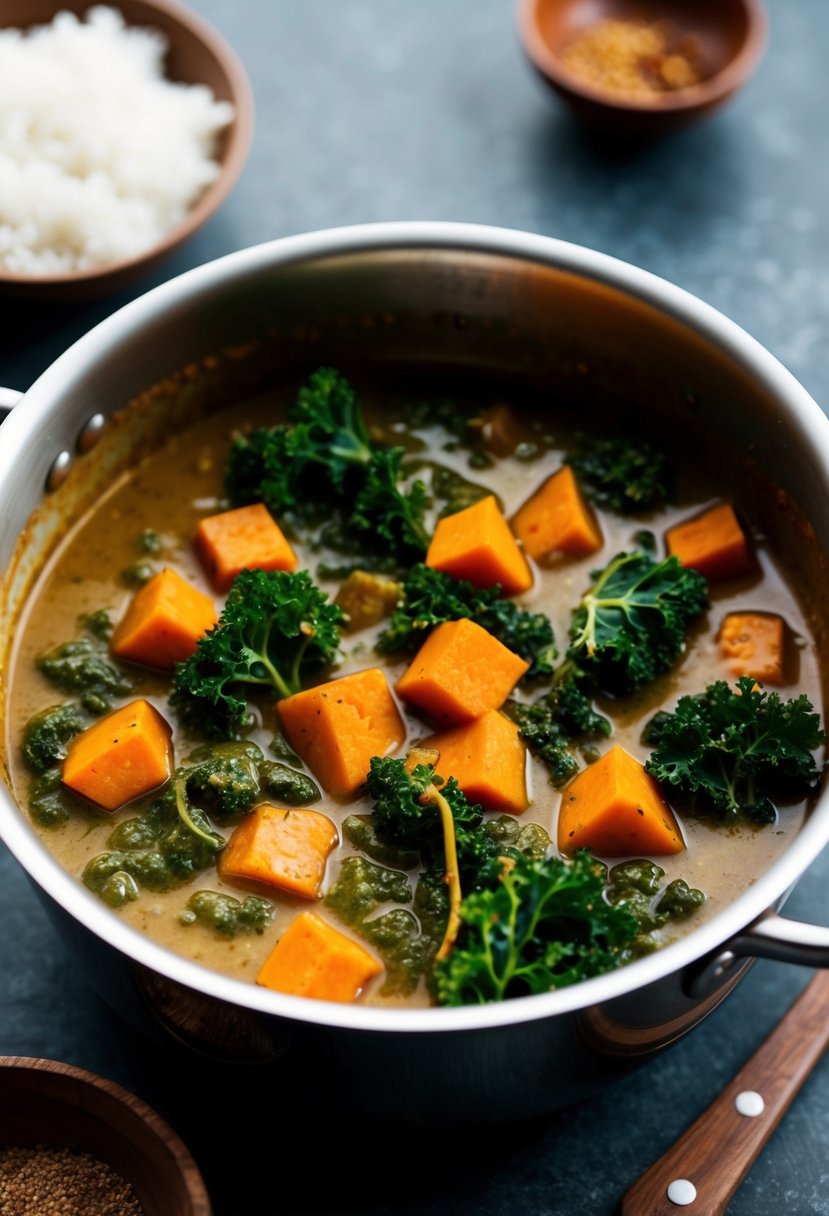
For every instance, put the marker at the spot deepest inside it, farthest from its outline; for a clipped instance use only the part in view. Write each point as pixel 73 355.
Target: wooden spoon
pixel 701 1171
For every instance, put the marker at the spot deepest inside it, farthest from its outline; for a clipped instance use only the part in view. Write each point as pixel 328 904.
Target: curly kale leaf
pixel 544 925
pixel 555 723
pixel 431 597
pixel 731 751
pixel 46 735
pixel 324 452
pixel 385 513
pixel 402 819
pixel 227 915
pixel 258 470
pixel 274 629
pixel 630 626
pixel 82 666
pixel 627 474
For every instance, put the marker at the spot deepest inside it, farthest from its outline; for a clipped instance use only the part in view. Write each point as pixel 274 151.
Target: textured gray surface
pixel 380 109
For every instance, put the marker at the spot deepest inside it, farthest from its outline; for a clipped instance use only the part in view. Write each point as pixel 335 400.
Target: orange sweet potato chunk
pixel 754 644
pixel 120 757
pixel 163 622
pixel 459 673
pixel 314 959
pixel 245 539
pixel 476 544
pixel 615 808
pixel 281 848
pixel 713 543
pixel 556 519
pixel 337 727
pixel 487 759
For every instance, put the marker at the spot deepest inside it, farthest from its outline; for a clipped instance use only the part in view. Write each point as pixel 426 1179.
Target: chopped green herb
pixel 46 735
pixel 227 915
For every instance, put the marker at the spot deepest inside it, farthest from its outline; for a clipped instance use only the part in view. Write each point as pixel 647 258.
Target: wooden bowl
pixel 196 55
pixel 45 1102
pixel 731 35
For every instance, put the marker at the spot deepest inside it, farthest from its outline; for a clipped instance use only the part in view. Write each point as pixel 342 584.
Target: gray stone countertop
pixel 378 110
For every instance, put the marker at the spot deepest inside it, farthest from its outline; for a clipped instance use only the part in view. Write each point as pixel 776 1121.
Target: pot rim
pixel 44 397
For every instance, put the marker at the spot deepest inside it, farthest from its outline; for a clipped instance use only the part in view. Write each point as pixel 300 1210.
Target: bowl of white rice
pixel 123 127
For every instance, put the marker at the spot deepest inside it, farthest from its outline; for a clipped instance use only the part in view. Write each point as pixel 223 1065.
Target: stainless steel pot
pixel 462 298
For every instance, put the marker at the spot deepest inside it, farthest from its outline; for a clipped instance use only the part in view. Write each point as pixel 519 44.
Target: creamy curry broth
pixel 171 490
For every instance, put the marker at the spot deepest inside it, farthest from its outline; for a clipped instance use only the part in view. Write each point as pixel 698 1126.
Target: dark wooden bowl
pixel 45 1102
pixel 731 34
pixel 196 55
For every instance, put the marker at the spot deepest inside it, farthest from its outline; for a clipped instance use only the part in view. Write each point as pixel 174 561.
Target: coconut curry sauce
pixel 149 519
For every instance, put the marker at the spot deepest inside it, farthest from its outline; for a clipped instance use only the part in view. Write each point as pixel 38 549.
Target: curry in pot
pixel 442 701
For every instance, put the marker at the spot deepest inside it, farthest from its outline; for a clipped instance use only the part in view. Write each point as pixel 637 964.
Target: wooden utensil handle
pixel 715 1154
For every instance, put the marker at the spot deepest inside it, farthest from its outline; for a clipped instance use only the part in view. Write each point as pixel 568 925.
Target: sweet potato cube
pixel 120 757
pixel 282 848
pixel 754 644
pixel 487 759
pixel 163 622
pixel 556 519
pixel 314 959
pixel 337 727
pixel 476 544
pixel 459 673
pixel 615 808
pixel 245 539
pixel 713 543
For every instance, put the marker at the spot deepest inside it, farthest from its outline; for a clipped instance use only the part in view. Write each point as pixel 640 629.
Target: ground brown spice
pixel 48 1181
pixel 634 58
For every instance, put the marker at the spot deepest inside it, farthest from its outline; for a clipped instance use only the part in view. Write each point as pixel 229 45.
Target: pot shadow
pixel 636 197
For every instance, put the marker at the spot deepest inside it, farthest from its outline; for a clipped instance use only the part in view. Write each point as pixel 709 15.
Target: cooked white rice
pixel 99 154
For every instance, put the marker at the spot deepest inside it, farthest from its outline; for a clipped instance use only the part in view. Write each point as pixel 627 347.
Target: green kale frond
pixel 324 452
pixel 562 718
pixel 544 925
pixel 328 428
pixel 431 597
pixel 382 510
pixel 732 751
pixel 274 630
pixel 630 626
pixel 627 474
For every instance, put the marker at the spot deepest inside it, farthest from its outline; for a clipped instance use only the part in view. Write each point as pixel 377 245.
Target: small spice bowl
pixel 44 1102
pixel 196 55
pixel 712 50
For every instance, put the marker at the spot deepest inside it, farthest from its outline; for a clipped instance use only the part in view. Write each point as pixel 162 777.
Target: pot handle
pixel 772 936
pixel 9 398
